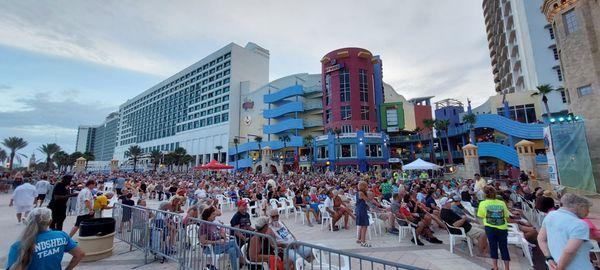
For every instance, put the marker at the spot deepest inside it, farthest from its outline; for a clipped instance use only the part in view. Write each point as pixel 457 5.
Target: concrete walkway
pixel 385 246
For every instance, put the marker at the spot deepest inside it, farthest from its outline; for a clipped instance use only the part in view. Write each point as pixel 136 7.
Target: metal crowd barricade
pixel 132 226
pixel 305 256
pixel 212 245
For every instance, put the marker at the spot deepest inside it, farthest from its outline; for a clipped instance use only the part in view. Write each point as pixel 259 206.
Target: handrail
pixel 338 257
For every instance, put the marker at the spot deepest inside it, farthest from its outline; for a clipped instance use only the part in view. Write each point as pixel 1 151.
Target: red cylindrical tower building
pixel 348 92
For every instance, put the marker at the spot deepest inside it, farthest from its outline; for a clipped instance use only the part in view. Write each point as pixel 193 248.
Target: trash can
pixel 97 227
pixel 96 238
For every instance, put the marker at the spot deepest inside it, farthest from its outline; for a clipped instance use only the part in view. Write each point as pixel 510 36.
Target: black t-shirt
pixel 450 217
pixel 173 189
pixel 465 196
pixel 61 190
pixel 241 220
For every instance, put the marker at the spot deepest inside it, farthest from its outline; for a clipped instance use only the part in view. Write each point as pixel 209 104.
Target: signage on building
pixel 552 167
pixel 373 135
pixel 321 138
pixel 394 160
pixel 391 116
pixel 348 135
pixel 248 104
pixel 334 67
pixel 393 129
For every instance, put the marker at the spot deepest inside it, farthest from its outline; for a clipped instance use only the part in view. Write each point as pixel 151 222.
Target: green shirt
pixel 494 214
pixel 386 188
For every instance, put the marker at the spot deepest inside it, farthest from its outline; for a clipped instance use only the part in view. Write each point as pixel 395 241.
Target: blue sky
pixel 61 67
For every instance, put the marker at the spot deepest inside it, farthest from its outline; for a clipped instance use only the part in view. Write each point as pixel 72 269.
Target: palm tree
pixel 444 126
pixel 73 157
pixel 337 131
pixel 440 126
pixel 3 155
pixel 219 148
pixel 169 159
pixel 155 156
pixel 308 141
pixel 236 142
pixel 14 144
pixel 88 157
pixel 259 139
pixel 178 155
pixel 49 150
pixel 470 119
pixel 61 158
pixel 544 90
pixel 285 138
pixel 134 152
pixel 187 159
pixel 429 124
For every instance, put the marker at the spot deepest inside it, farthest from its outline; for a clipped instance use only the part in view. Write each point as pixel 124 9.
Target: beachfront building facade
pixel 196 108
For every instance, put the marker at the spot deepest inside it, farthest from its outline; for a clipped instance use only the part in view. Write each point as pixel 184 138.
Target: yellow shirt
pixel 100 202
pixel 494 214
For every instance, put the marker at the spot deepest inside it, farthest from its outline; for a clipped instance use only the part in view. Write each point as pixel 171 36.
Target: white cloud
pixel 428 47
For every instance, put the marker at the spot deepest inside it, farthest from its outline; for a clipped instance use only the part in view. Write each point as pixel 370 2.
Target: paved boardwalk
pixel 385 246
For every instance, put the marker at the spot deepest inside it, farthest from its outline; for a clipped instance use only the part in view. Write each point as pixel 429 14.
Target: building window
pixel 559 74
pixel 366 128
pixel 584 90
pixel 327 89
pixel 551 31
pixel 327 116
pixel 344 85
pixel 322 152
pixel 346 129
pixel 364 112
pixel 347 150
pixel 363 85
pixel 563 95
pixel 555 52
pixel 570 21
pixel 346 113
pixel 373 150
pixel 521 113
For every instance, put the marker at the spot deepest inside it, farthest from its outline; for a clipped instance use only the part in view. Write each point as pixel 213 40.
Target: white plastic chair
pixel 325 217
pixel 275 205
pixel 402 229
pixel 298 211
pixel 385 203
pixel 287 205
pixel 374 223
pixel 462 234
pixel 222 202
pixel 517 239
pixel 251 208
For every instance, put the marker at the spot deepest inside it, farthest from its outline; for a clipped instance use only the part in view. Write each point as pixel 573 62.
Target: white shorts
pixel 23 208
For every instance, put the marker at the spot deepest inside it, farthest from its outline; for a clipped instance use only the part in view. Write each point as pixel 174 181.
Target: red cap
pixel 241 203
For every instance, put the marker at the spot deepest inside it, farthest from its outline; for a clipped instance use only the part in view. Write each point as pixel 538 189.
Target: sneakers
pixel 418 242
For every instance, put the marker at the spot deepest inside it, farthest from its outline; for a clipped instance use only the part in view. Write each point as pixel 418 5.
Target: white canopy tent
pixel 420 164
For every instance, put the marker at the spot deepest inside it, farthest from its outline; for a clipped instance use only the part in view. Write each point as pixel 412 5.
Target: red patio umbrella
pixel 213 165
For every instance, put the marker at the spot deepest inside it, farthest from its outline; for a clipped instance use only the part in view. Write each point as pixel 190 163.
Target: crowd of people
pixel 482 210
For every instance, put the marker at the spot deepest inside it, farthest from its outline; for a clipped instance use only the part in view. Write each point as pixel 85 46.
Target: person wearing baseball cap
pixel 476 233
pixel 241 219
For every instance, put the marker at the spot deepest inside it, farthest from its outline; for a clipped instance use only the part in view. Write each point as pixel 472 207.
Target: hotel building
pixel 522 49
pixel 196 108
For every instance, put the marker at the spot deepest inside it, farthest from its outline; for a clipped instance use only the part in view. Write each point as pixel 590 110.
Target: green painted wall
pixel 383 114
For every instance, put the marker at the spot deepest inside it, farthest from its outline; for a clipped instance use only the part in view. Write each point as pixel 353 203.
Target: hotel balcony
pixel 290 107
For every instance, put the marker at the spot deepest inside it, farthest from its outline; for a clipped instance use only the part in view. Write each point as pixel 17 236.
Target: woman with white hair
pixel 564 237
pixel 41 248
